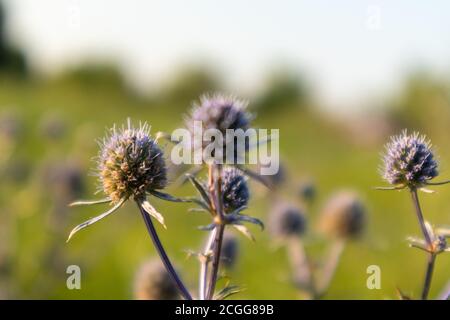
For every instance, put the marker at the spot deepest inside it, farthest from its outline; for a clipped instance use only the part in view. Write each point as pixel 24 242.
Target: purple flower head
pixel 130 164
pixel 220 112
pixel 235 190
pixel 287 220
pixel 409 161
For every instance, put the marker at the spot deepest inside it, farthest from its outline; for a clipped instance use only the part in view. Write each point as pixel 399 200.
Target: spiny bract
pixel 409 161
pixel 130 164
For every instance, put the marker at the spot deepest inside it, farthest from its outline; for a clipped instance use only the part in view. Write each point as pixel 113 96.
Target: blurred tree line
pixel 12 60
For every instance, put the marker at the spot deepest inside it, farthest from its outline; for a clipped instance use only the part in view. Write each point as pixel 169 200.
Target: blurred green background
pixel 48 131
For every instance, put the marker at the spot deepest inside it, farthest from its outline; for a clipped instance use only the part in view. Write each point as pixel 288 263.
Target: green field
pixel 34 229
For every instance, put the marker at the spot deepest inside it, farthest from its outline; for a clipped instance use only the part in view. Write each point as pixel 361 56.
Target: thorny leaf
pixel 244 230
pixel 239 218
pixel 152 211
pixel 89 202
pixel 209 227
pixel 254 175
pixel 204 194
pixel 94 220
pixel 167 197
pixel 227 292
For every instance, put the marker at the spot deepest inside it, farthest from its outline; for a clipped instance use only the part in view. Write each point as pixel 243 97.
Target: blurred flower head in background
pixel 286 220
pixel 152 282
pixel 344 216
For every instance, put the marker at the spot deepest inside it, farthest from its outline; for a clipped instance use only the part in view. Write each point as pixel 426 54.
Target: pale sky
pixel 349 49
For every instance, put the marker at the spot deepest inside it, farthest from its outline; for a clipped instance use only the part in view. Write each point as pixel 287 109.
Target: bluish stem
pixel 162 253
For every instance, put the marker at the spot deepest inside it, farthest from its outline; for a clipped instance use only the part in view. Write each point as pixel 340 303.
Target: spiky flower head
pixel 343 216
pixel 286 220
pixel 409 161
pixel 221 112
pixel 152 282
pixel 235 191
pixel 130 164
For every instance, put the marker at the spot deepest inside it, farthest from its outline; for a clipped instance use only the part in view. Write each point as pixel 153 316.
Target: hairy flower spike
pixel 409 161
pixel 234 189
pixel 130 164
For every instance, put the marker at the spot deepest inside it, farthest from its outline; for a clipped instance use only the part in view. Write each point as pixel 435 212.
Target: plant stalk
pixel 217 248
pixel 431 254
pixel 204 265
pixel 162 253
pixel 420 218
pixel 428 276
pixel 331 264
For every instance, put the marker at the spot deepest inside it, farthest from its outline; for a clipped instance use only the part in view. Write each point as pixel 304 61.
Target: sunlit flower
pixel 130 165
pixel 409 161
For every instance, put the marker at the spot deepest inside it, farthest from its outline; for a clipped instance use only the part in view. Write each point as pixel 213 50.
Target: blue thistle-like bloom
pixel 235 191
pixel 130 163
pixel 409 161
pixel 221 112
pixel 286 220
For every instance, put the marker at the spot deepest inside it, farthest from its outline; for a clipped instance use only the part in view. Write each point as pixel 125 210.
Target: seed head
pixel 235 191
pixel 152 282
pixel 343 216
pixel 286 220
pixel 409 161
pixel 130 164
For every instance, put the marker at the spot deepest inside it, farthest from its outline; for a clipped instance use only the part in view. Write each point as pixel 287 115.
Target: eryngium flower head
pixel 220 112
pixel 343 216
pixel 286 220
pixel 130 164
pixel 235 191
pixel 409 161
pixel 152 282
pixel 230 250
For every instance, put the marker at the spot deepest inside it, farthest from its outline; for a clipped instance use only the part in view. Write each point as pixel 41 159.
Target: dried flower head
pixel 343 216
pixel 286 220
pixel 220 112
pixel 152 282
pixel 230 250
pixel 409 161
pixel 235 190
pixel 130 164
